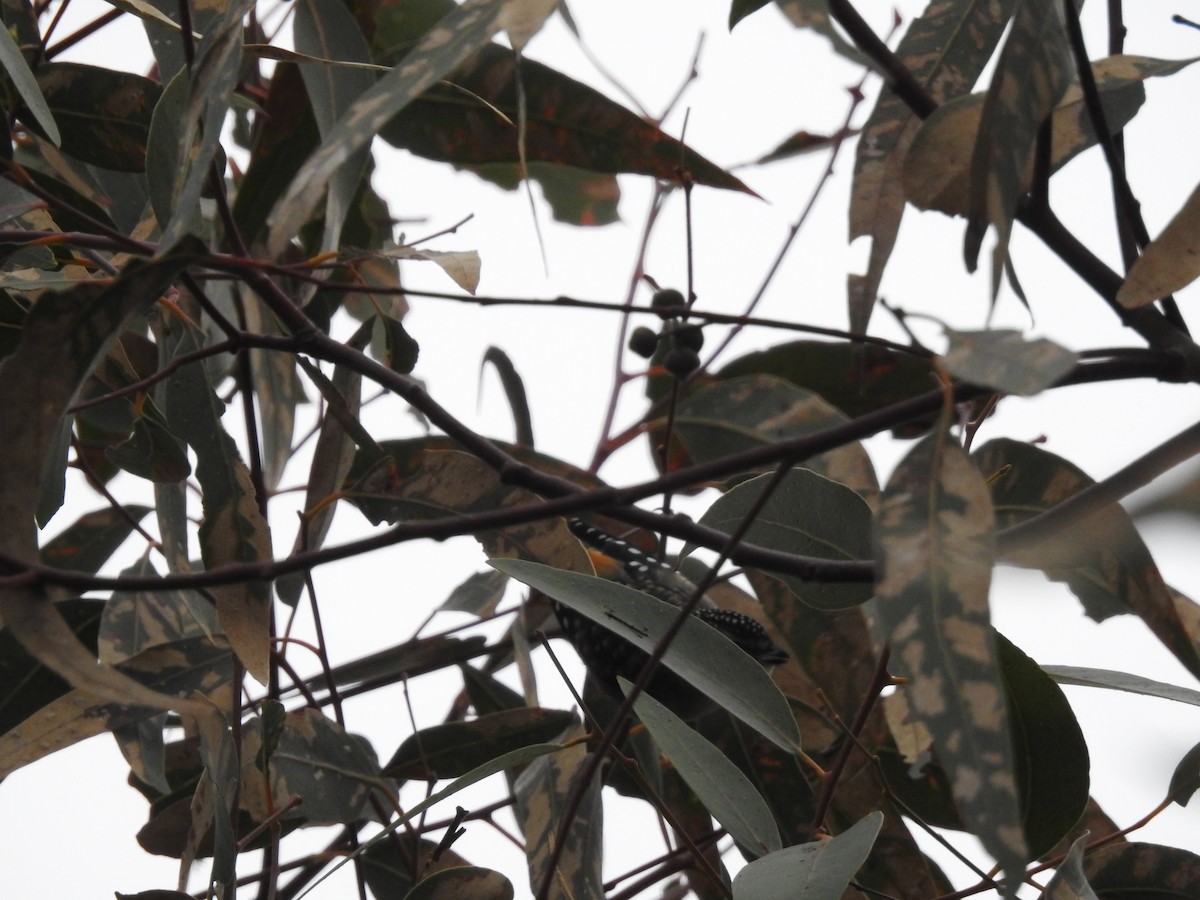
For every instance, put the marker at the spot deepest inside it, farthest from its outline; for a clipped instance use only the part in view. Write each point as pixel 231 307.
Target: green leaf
pixel 22 79
pixel 479 595
pixel 722 788
pixel 806 514
pixel 87 544
pixel 700 654
pixel 820 870
pixel 514 391
pixel 402 349
pixel 412 657
pixel 739 9
pixel 1185 780
pixel 1051 755
pixel 1102 559
pixel 152 451
pixel 455 748
pixel 332 770
pixel 1003 359
pixel 945 49
pixel 935 544
pixel 1122 681
pixel 103 115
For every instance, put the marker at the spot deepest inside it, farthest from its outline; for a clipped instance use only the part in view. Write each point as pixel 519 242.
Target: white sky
pixel 756 86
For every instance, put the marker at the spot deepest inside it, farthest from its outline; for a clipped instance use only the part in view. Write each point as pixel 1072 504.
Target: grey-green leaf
pixel 700 653
pixel 820 870
pixel 721 786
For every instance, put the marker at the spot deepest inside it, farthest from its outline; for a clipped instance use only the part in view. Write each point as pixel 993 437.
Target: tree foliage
pixel 207 238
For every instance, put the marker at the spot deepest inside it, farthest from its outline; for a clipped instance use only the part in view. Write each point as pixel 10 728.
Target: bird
pixel 607 656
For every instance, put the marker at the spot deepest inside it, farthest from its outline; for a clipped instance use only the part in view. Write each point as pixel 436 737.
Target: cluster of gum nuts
pixel 681 340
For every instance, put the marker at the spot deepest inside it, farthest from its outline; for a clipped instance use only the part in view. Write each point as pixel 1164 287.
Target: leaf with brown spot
pixel 470 122
pixel 934 539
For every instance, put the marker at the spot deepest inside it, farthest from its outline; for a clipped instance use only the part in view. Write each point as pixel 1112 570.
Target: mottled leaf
pixel 853 378
pixel 935 546
pixel 185 133
pixel 330 464
pixel 1170 262
pixel 541 791
pixel 1031 75
pixel 332 771
pixel 937 168
pixel 64 337
pixel 1102 559
pixel 740 413
pixel 1145 871
pixel 27 685
pixel 411 658
pixel 722 788
pixel 134 621
pixel 455 748
pixel 806 514
pixel 700 654
pixel 445 46
pixel 946 49
pixel 820 870
pixel 278 391
pixel 175 670
pixel 1004 360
